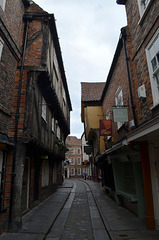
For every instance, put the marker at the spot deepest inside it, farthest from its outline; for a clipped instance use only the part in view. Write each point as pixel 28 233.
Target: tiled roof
pixel 72 140
pixel 92 91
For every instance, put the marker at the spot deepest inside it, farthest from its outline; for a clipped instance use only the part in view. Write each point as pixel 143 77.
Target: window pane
pixel 154 63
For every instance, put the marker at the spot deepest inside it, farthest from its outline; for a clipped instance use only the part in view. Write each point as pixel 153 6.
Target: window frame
pixel 2 4
pixel 117 94
pixel 72 161
pixel 143 8
pixel 78 151
pixel 153 73
pixel 78 161
pixel 43 109
pixel 79 171
pixel 1 47
pixel 72 171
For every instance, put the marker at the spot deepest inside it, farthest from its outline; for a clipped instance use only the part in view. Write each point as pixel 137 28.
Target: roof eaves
pixel 122 2
pixel 58 52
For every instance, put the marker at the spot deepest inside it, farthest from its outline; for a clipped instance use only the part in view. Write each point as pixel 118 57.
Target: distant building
pixel 86 165
pixel 73 163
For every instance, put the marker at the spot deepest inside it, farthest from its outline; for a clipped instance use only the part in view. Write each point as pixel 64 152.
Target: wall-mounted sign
pixel 120 114
pixel 105 127
pixel 88 149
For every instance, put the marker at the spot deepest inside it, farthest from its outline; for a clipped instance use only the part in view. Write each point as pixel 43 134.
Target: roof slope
pixel 91 91
pixel 72 141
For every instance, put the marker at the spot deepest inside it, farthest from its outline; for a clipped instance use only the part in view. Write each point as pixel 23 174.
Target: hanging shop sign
pixel 105 127
pixel 88 149
pixel 120 114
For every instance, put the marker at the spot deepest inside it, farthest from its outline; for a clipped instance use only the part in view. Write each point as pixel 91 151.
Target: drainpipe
pixel 13 174
pixel 123 35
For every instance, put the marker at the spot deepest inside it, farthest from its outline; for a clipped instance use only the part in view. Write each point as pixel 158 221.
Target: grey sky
pixel 88 32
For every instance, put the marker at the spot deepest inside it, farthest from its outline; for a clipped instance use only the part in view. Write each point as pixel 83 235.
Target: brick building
pixel 73 157
pixel 35 108
pixel 130 101
pixel 11 32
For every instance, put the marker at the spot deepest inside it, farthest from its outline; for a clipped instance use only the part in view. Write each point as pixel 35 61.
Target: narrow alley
pixel 80 210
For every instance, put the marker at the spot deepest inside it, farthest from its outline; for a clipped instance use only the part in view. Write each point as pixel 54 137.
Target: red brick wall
pixel 12 34
pixel 140 34
pixel 119 78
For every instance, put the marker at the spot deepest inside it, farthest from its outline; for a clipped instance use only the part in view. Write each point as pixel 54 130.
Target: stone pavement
pixel 121 224
pixel 37 222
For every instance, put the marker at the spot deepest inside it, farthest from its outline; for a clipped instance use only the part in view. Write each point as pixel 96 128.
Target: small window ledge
pixel 129 196
pixel 154 107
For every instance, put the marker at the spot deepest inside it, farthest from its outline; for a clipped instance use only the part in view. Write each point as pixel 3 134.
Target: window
pixel 143 5
pixel 152 53
pixel 53 125
pixel 72 161
pixel 58 132
pixel 78 171
pixel 119 102
pixel 71 151
pixel 45 173
pixel 78 161
pixel 1 47
pixel 2 173
pixel 78 151
pixel 2 4
pixel 43 111
pixel 72 171
pixel 108 118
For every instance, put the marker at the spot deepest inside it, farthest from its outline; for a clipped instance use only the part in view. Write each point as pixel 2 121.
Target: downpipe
pixel 123 35
pixel 13 174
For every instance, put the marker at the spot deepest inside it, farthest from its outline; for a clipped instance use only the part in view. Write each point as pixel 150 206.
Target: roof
pixel 72 141
pixel 121 2
pixel 92 91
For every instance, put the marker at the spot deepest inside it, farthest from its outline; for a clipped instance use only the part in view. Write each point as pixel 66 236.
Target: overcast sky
pixel 88 32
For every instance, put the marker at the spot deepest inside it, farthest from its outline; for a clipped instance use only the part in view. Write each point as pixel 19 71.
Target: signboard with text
pixel 120 114
pixel 105 127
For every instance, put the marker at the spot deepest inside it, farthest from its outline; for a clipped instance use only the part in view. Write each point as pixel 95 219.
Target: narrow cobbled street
pixel 80 210
pixel 80 218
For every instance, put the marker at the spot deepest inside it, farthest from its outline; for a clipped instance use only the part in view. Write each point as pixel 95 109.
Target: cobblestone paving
pixel 78 225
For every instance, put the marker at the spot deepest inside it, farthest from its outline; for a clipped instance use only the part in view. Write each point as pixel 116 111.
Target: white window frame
pixel 78 151
pixel 108 118
pixel 143 6
pixel 78 161
pixel 78 171
pixel 53 125
pixel 72 161
pixel 119 102
pixel 72 171
pixel 43 109
pixel 71 151
pixel 1 47
pixel 2 4
pixel 152 51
